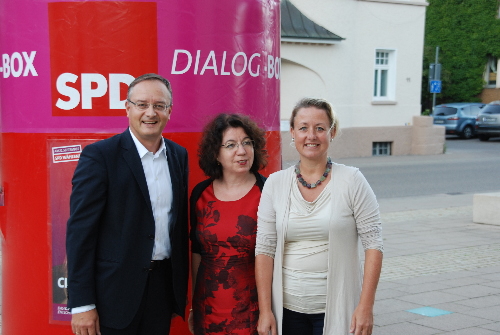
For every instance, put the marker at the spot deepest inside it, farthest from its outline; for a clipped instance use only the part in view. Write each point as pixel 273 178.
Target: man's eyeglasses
pixel 232 145
pixel 144 106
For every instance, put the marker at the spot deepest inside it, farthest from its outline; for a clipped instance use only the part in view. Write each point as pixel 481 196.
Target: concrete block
pixel 428 136
pixel 486 208
pixel 423 121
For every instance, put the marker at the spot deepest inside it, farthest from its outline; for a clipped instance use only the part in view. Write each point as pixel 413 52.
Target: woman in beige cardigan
pixel 308 272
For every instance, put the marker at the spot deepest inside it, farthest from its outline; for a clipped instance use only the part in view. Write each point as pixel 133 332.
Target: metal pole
pixel 435 67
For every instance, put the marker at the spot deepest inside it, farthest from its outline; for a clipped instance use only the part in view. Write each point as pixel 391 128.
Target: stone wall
pixel 421 138
pixel 490 94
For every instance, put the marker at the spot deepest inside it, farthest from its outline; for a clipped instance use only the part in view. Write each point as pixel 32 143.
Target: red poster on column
pixel 62 157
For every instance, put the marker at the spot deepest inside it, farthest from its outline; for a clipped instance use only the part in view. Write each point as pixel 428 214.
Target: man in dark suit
pixel 127 243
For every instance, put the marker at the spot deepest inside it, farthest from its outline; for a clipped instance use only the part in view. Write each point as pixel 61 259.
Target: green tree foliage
pixel 467 33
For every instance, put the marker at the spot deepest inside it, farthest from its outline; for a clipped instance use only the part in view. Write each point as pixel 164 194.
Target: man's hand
pixel 86 323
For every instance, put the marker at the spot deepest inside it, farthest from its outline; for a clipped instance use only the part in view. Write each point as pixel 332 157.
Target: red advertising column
pixel 64 72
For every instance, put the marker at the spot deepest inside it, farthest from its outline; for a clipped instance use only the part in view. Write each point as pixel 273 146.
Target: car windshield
pixel 491 109
pixel 445 111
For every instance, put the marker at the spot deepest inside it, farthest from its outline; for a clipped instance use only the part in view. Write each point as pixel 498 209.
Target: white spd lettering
pixel 62 282
pixel 18 64
pixel 237 65
pixel 93 85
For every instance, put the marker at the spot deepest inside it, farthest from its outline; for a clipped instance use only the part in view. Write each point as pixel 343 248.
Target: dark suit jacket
pixel 110 232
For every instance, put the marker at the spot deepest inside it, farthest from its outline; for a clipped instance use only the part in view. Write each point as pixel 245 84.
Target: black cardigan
pixel 195 195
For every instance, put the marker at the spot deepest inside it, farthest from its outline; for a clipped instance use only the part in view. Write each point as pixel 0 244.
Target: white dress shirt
pixel 155 166
pixel 157 174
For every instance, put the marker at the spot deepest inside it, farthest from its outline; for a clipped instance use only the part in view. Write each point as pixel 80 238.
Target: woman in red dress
pixel 224 225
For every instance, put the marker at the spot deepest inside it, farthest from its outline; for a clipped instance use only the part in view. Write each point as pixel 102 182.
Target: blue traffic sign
pixel 435 86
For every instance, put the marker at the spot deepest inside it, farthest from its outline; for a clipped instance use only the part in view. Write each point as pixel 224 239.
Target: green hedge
pixel 467 33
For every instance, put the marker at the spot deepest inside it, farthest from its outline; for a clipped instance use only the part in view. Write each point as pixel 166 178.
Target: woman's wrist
pixel 265 311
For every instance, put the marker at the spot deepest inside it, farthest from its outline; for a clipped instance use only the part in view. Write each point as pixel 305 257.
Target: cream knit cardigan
pixel 354 214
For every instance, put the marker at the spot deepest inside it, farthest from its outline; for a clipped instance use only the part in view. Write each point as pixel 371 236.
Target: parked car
pixel 488 121
pixel 459 118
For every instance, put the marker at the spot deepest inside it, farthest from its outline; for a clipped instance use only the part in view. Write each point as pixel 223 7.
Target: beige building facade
pixel 372 75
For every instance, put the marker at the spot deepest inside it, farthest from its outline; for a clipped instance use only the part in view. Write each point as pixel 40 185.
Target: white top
pixel 354 215
pixel 305 257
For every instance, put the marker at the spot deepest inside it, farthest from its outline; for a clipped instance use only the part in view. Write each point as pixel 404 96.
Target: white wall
pixel 343 73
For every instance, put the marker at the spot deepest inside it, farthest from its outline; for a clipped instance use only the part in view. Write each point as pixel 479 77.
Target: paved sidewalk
pixel 437 262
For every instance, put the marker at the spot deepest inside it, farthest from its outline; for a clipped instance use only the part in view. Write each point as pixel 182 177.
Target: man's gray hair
pixel 150 76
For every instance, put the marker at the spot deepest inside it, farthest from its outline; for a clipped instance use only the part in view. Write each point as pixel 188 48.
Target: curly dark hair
pixel 211 141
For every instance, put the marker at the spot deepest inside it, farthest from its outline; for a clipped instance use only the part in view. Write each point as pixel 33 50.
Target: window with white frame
pixel 384 76
pixel 490 75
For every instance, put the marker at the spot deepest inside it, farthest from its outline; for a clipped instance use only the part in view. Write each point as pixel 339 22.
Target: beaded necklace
pixel 323 177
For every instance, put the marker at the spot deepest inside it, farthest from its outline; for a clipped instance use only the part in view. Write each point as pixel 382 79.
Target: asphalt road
pixel 468 166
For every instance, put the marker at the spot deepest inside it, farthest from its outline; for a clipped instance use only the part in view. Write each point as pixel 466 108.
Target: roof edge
pixel 302 40
pixel 296 25
pixel 401 2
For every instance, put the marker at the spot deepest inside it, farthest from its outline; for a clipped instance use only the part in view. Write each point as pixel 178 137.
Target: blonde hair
pixel 320 104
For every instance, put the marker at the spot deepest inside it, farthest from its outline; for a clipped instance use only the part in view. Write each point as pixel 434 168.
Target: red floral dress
pixel 225 297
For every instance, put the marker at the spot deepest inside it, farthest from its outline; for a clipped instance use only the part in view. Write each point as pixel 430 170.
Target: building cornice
pixel 308 41
pixel 401 2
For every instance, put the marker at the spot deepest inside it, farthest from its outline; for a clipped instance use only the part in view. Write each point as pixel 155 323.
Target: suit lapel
pixel 174 168
pixel 131 156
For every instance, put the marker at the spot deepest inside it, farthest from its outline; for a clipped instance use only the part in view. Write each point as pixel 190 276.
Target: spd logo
pixel 96 50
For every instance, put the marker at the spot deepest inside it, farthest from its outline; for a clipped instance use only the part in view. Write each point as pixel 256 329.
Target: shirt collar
pixel 141 149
